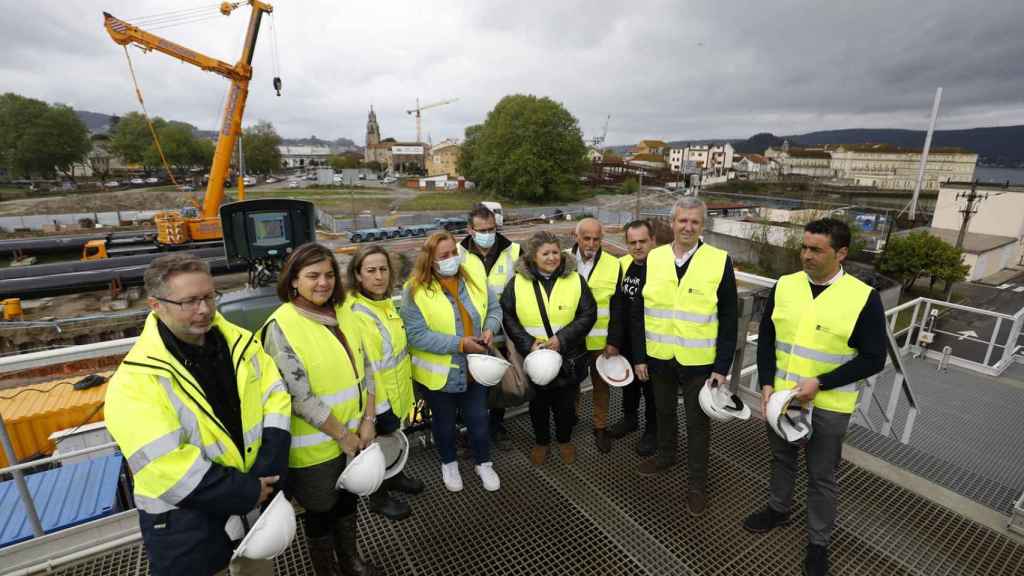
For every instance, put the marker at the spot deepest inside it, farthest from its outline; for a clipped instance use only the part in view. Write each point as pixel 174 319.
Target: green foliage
pixel 36 138
pixel 180 146
pixel 529 148
pixel 347 161
pixel 375 166
pixel 259 144
pixel 131 140
pixel 630 186
pixel 919 255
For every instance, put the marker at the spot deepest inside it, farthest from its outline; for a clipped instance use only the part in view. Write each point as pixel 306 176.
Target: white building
pixel 1000 214
pixel 715 158
pixel 889 167
pixel 303 156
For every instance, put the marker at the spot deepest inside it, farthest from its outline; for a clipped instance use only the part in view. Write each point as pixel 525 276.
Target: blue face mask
pixel 484 239
pixel 449 266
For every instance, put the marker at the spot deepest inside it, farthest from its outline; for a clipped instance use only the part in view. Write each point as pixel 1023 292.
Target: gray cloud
pixel 666 69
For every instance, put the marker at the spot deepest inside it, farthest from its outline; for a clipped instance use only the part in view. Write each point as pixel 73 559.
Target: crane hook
pixel 277 84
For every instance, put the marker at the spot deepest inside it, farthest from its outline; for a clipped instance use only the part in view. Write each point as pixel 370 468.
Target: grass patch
pixel 425 201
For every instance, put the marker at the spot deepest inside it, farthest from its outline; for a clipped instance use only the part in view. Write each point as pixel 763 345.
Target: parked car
pixel 271 180
pixel 293 183
pixel 137 181
pixel 362 176
pixel 152 180
pixel 367 235
pixel 112 184
pixel 419 230
pixel 390 180
pixel 186 188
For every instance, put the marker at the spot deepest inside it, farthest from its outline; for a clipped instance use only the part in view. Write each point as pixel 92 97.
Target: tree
pixel 346 161
pixel 528 148
pixel 468 150
pixel 36 138
pixel 918 255
pixel 260 148
pixel 630 186
pixel 132 141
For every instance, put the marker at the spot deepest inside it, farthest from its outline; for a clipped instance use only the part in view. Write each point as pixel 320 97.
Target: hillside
pixel 999 146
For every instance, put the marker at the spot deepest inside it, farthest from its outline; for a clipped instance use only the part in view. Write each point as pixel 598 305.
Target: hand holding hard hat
pixel 272 533
pixel 542 366
pixel 486 369
pixel 788 418
pixel 615 370
pixel 720 404
pixel 364 474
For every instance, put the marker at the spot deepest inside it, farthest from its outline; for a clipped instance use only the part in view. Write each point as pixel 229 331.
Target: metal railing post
pixel 992 340
pixel 910 330
pixel 1011 340
pixel 19 481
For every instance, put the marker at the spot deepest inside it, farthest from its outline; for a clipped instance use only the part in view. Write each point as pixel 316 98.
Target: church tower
pixel 372 129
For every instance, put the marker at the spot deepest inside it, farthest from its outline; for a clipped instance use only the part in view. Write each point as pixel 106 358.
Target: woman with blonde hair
pixel 449 311
pixel 318 351
pixel 371 279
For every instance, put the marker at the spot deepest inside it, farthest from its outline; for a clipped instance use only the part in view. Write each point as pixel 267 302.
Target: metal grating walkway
pixel 599 517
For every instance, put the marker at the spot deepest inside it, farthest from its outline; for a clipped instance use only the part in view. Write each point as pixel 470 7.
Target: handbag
pixel 515 388
pixel 573 370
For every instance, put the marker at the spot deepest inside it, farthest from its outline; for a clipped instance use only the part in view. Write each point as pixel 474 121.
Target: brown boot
pixel 538 455
pixel 321 552
pixel 568 452
pixel 349 560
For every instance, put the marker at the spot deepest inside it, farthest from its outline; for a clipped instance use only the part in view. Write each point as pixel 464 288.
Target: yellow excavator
pixel 174 228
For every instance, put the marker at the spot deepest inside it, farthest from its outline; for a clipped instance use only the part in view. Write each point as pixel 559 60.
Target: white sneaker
pixel 488 476
pixel 452 478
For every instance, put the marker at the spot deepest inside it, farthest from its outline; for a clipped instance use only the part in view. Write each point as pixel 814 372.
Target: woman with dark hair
pixel 548 292
pixel 320 357
pixel 371 278
pixel 449 311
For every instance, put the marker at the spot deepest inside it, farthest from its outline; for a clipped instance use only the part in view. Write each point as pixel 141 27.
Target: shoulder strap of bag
pixel 543 311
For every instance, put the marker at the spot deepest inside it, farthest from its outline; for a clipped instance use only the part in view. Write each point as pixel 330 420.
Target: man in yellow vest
pixel 822 332
pixel 498 255
pixel 200 412
pixel 690 319
pixel 602 272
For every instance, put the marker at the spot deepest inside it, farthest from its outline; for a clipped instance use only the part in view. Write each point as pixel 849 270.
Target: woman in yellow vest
pixel 571 312
pixel 319 354
pixel 449 312
pixel 371 279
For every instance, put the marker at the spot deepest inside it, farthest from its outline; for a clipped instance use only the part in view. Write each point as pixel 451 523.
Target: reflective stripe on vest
pixel 332 378
pixel 431 369
pixel 560 305
pixel 812 334
pixel 501 270
pixel 681 315
pixel 602 281
pixel 388 365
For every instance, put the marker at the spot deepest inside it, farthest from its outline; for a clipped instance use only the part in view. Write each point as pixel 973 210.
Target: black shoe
pixel 388 507
pixel 647 445
pixel 656 465
pixel 604 443
pixel 816 561
pixel 622 427
pixel 765 519
pixel 404 484
pixel 501 440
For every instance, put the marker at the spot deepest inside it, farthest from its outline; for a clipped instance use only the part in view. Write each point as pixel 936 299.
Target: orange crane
pixel 418 109
pixel 172 227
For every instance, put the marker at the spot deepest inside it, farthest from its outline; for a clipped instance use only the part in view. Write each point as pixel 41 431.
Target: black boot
pixel 349 560
pixel 388 507
pixel 321 552
pixel 625 426
pixel 816 561
pixel 404 484
pixel 647 445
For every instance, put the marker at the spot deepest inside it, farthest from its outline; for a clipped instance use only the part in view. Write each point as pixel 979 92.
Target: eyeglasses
pixel 192 304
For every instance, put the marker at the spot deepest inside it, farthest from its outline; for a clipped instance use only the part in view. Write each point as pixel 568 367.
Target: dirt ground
pixel 141 199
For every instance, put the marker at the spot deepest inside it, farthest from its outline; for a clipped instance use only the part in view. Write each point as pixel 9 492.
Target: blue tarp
pixel 64 497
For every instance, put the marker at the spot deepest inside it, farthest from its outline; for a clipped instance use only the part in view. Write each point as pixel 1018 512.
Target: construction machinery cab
pixel 261 234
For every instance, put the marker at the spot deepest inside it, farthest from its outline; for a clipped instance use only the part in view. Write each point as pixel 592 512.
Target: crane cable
pixel 152 129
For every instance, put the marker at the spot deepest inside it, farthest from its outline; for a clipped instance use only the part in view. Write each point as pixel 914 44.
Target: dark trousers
pixel 559 402
pixel 497 419
pixel 472 405
pixel 823 453
pixel 667 377
pixel 631 403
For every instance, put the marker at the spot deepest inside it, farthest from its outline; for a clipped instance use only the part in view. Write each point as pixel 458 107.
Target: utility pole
pixel 636 209
pixel 352 198
pixel 924 154
pixel 973 199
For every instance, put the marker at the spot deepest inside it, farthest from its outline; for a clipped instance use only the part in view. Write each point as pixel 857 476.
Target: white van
pixel 499 216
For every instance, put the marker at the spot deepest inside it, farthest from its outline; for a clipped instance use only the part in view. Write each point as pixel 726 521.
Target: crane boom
pixel 207 226
pixel 418 109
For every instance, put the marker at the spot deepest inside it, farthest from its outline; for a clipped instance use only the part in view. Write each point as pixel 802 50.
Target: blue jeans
pixel 472 405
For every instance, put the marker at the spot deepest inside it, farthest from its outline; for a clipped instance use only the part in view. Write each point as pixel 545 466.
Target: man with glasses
pixel 200 412
pixel 498 255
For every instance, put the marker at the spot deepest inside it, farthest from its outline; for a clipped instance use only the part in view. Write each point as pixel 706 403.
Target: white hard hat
pixel 727 403
pixel 615 370
pixel 487 369
pixel 542 366
pixel 707 404
pixel 364 473
pixel 789 419
pixel 272 532
pixel 395 447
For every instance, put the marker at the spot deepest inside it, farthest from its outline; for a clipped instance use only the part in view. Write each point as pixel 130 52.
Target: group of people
pixel 214 419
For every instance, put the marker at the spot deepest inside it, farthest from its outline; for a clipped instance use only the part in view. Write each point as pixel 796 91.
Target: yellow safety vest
pixel 428 368
pixel 812 334
pixel 160 418
pixel 624 262
pixel 602 281
pixel 501 271
pixel 385 347
pixel 681 315
pixel 560 305
pixel 332 378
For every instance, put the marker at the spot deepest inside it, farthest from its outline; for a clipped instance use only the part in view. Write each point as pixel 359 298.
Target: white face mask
pixel 449 266
pixel 484 239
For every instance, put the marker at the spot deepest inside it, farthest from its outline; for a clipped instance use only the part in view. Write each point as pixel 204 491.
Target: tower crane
pixel 418 109
pixel 597 141
pixel 172 227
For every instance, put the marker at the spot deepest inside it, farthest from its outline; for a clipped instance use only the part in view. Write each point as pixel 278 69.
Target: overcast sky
pixel 670 69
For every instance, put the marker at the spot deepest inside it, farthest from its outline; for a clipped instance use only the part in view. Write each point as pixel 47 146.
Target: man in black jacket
pixel 626 337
